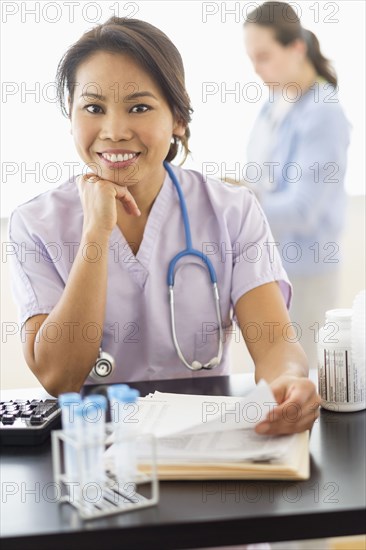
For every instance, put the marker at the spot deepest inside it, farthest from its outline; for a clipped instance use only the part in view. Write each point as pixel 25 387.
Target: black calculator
pixel 28 422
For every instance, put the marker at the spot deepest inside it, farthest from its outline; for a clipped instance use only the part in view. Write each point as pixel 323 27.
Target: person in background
pixel 299 146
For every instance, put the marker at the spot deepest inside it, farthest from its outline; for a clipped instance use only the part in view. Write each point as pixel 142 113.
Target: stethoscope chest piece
pixel 104 366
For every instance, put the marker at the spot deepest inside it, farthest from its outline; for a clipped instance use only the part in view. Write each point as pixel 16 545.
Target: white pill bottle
pixel 341 358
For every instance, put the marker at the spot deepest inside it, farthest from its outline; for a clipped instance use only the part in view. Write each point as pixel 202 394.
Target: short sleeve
pixel 256 258
pixel 35 282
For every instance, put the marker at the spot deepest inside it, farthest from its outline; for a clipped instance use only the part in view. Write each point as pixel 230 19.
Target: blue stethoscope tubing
pixel 190 251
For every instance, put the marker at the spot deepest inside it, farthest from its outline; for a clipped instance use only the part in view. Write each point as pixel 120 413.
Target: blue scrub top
pixel 305 203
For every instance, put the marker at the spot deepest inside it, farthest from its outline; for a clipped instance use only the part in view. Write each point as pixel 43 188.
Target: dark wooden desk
pixel 194 514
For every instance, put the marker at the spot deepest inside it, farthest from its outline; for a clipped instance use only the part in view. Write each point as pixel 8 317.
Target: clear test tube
pixel 122 399
pixel 115 396
pixel 129 430
pixel 68 403
pixel 91 436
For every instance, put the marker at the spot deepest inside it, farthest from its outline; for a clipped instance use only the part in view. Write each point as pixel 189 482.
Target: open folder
pixel 212 437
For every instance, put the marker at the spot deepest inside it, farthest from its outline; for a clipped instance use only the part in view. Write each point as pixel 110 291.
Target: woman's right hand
pixel 98 199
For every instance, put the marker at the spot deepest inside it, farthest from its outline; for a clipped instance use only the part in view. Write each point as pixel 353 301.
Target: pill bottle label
pixel 338 378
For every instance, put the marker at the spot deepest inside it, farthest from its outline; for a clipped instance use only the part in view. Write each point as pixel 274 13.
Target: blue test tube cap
pixel 131 396
pixel 117 391
pixel 91 408
pixel 99 401
pixel 78 411
pixel 66 399
pixel 69 402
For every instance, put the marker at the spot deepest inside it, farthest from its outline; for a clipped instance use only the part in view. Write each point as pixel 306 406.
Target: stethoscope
pixel 105 363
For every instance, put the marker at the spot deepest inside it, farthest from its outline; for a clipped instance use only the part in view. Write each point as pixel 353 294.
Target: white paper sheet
pixel 228 446
pixel 209 428
pixel 171 414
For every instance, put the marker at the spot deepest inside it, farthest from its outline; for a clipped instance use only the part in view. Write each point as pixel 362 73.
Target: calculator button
pixel 25 409
pixel 8 419
pixel 51 409
pixel 11 410
pixel 37 419
pixel 26 414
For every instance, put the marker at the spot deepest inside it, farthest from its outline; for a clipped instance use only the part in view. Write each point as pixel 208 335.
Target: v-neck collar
pixel 138 265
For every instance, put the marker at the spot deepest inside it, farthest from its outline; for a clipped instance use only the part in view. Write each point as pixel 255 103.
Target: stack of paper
pixel 213 437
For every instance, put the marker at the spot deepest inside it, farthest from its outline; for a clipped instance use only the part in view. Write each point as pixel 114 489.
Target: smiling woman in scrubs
pixel 117 227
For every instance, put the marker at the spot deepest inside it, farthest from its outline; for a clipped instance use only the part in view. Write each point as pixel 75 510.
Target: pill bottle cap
pixel 342 317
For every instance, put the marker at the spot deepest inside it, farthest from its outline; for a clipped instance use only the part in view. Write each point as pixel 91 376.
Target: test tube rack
pixel 115 495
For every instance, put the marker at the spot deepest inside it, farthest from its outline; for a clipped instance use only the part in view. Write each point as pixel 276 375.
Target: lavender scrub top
pixel 227 224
